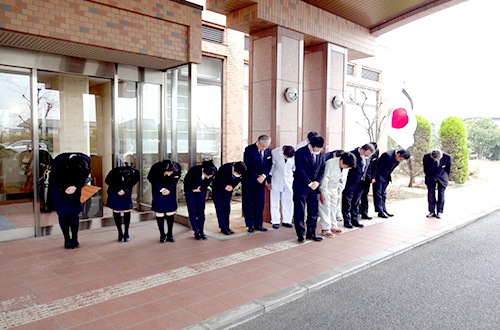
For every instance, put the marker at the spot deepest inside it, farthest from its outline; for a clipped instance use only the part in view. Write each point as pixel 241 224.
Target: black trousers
pixel 365 186
pixel 435 205
pixel 196 209
pixel 253 199
pixel 310 201
pixel 379 195
pixel 222 202
pixel 351 197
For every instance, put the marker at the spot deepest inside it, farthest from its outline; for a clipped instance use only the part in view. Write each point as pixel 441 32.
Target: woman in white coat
pixel 331 190
pixel 281 186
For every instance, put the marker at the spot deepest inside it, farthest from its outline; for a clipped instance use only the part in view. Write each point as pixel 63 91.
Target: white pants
pixel 328 210
pixel 286 198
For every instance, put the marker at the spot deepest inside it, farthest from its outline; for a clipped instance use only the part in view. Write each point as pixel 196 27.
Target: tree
pixel 454 141
pixel 483 137
pixel 373 121
pixel 422 136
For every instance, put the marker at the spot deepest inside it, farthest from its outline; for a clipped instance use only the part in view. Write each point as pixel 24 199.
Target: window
pixel 212 34
pixel 370 74
pixel 350 69
pixel 247 43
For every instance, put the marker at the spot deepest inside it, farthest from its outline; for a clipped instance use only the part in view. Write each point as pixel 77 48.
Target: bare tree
pixel 373 121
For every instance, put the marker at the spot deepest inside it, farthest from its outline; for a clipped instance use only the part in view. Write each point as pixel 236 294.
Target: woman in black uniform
pixel 227 178
pixel 196 185
pixel 164 177
pixel 121 180
pixel 67 177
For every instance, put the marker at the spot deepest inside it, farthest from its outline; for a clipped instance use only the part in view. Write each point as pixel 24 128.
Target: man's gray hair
pixel 436 154
pixel 264 139
pixel 368 147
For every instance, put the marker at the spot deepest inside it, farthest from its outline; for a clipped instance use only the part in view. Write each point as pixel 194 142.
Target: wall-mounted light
pixel 338 102
pixel 291 94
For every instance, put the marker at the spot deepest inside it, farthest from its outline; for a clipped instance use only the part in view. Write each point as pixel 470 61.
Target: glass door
pixel 16 153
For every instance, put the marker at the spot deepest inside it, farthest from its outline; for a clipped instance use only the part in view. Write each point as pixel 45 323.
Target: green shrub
pixel 454 141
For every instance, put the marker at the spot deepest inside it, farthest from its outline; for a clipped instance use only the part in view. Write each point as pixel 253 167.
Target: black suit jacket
pixel 255 166
pixel 355 174
pixel 193 179
pixel 224 177
pixel 306 172
pixel 372 167
pixel 385 165
pixel 437 172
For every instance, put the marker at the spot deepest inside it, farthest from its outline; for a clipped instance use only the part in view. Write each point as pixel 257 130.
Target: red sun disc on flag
pixel 399 118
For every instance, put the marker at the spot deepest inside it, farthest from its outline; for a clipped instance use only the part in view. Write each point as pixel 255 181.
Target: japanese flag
pixel 402 121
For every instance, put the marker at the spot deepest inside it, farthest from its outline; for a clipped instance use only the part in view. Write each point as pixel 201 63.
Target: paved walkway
pixel 208 284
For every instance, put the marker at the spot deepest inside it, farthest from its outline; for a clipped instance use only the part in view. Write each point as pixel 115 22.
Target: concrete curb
pixel 241 314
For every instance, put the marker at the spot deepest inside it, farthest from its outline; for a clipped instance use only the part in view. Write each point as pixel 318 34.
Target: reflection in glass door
pixel 16 155
pixel 73 117
pixel 151 107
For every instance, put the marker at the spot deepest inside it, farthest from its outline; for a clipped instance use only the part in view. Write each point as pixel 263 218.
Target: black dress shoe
pixel 288 225
pixel 383 215
pixel 348 225
pixel 388 214
pixel 301 239
pixel 366 217
pixel 276 226
pixel 170 239
pixel 314 238
pixel 203 236
pixel 225 232
pixel 260 228
pixel 197 236
pixel 430 215
pixel 126 238
pixel 357 224
pixel 230 231
pixel 251 230
pixel 163 239
pixel 438 215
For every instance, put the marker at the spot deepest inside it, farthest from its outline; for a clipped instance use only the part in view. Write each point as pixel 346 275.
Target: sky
pixel 448 61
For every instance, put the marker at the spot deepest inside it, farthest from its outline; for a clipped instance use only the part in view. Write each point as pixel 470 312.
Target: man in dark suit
pixel 227 178
pixel 385 165
pixel 367 181
pixel 351 195
pixel 437 167
pixel 257 157
pixel 309 170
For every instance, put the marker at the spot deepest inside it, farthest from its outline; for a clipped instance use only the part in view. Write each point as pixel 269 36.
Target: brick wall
pixel 161 28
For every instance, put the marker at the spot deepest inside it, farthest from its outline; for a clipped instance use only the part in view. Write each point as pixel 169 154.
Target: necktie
pixel 314 159
pixel 261 156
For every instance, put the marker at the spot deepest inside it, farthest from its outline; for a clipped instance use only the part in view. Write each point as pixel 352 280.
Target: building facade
pixel 136 82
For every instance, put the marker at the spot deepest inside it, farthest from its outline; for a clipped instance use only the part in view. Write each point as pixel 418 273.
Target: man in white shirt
pixel 281 186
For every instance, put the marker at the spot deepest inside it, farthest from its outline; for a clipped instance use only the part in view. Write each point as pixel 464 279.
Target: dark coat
pixel 193 179
pixel 64 174
pixel 256 166
pixel 224 177
pixel 437 172
pixel 306 172
pixel 385 165
pixel 121 178
pixel 159 181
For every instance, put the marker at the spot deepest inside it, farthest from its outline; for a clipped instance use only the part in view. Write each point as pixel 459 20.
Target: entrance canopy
pixel 353 24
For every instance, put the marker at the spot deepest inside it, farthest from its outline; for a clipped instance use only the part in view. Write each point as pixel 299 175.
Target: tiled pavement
pixel 202 284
